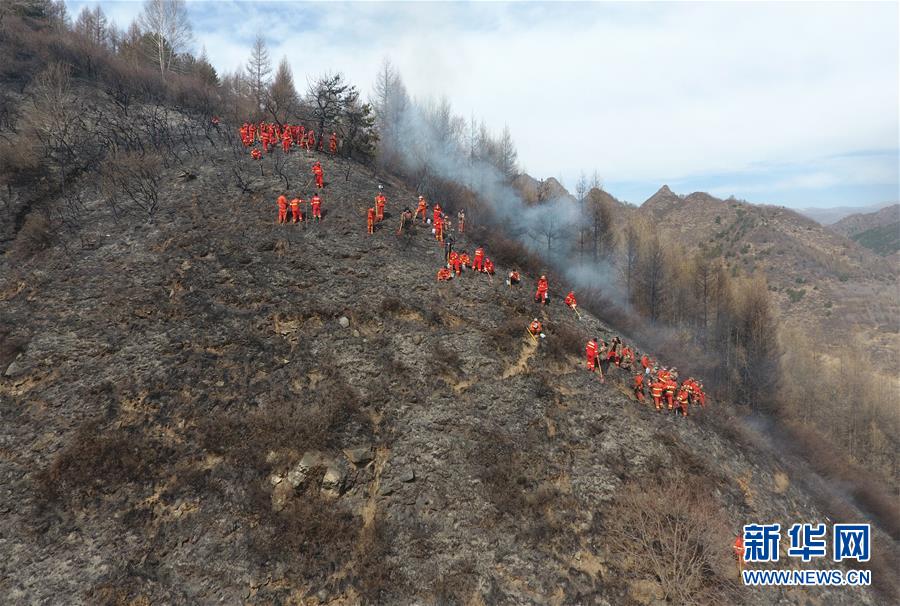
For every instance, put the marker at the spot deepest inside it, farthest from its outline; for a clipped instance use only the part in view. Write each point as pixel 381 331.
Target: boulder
pixel 14 368
pixel 281 494
pixel 333 481
pixel 297 475
pixel 359 456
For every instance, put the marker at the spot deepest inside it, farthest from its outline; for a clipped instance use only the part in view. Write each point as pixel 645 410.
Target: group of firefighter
pixel 650 380
pixel 297 204
pixel 272 135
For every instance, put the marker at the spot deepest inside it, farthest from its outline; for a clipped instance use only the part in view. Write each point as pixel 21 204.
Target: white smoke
pixel 431 142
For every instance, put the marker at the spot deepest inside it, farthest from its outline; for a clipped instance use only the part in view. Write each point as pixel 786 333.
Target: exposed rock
pixel 408 475
pixel 297 475
pixel 333 481
pixel 14 368
pixel 281 494
pixel 359 456
pixel 344 321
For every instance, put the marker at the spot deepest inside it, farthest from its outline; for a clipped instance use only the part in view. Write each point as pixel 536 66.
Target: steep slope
pixel 210 408
pixel 878 231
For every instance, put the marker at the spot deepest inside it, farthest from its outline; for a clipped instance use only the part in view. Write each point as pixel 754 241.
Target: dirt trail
pixel 528 350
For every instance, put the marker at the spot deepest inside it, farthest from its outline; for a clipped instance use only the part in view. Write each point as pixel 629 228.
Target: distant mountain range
pixel 828 216
pixel 815 273
pixel 878 231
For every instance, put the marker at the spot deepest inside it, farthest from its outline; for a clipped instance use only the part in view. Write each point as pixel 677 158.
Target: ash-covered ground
pixel 186 419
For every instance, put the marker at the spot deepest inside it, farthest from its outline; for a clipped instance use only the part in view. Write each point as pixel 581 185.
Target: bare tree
pixel 135 178
pixel 507 155
pixel 259 68
pixel 629 255
pixel 390 104
pixel 167 23
pixel 581 187
pixel 652 277
pixel 281 102
pixel 92 25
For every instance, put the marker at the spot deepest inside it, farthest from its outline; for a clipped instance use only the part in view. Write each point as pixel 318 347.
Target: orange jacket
pixel 570 299
pixel 591 349
pixel 296 202
pixel 535 327
pixel 542 285
pixel 282 202
pixel 371 215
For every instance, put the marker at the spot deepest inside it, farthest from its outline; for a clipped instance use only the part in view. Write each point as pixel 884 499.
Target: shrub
pixel 674 532
pixel 795 295
pixel 508 335
pixel 99 460
pixel 36 235
pixel 563 341
pixel 311 537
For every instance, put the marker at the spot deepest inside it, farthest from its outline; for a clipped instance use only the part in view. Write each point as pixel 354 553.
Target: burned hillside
pixel 200 405
pixel 207 406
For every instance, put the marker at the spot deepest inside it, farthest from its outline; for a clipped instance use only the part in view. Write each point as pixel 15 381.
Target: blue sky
pixel 782 103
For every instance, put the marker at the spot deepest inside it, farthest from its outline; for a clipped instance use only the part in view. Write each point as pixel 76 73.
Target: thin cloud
pixel 643 93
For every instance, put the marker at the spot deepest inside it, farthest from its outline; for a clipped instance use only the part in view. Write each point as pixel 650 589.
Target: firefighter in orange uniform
pixel 282 209
pixel 438 227
pixel 639 387
pixel 541 294
pixel 296 215
pixel 656 391
pixel 591 352
pixel 319 174
pixel 370 220
pixel 422 209
pixel 380 201
pixel 455 263
pixel 478 261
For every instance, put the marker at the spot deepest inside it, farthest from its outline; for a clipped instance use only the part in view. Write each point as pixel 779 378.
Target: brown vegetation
pixel 674 533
